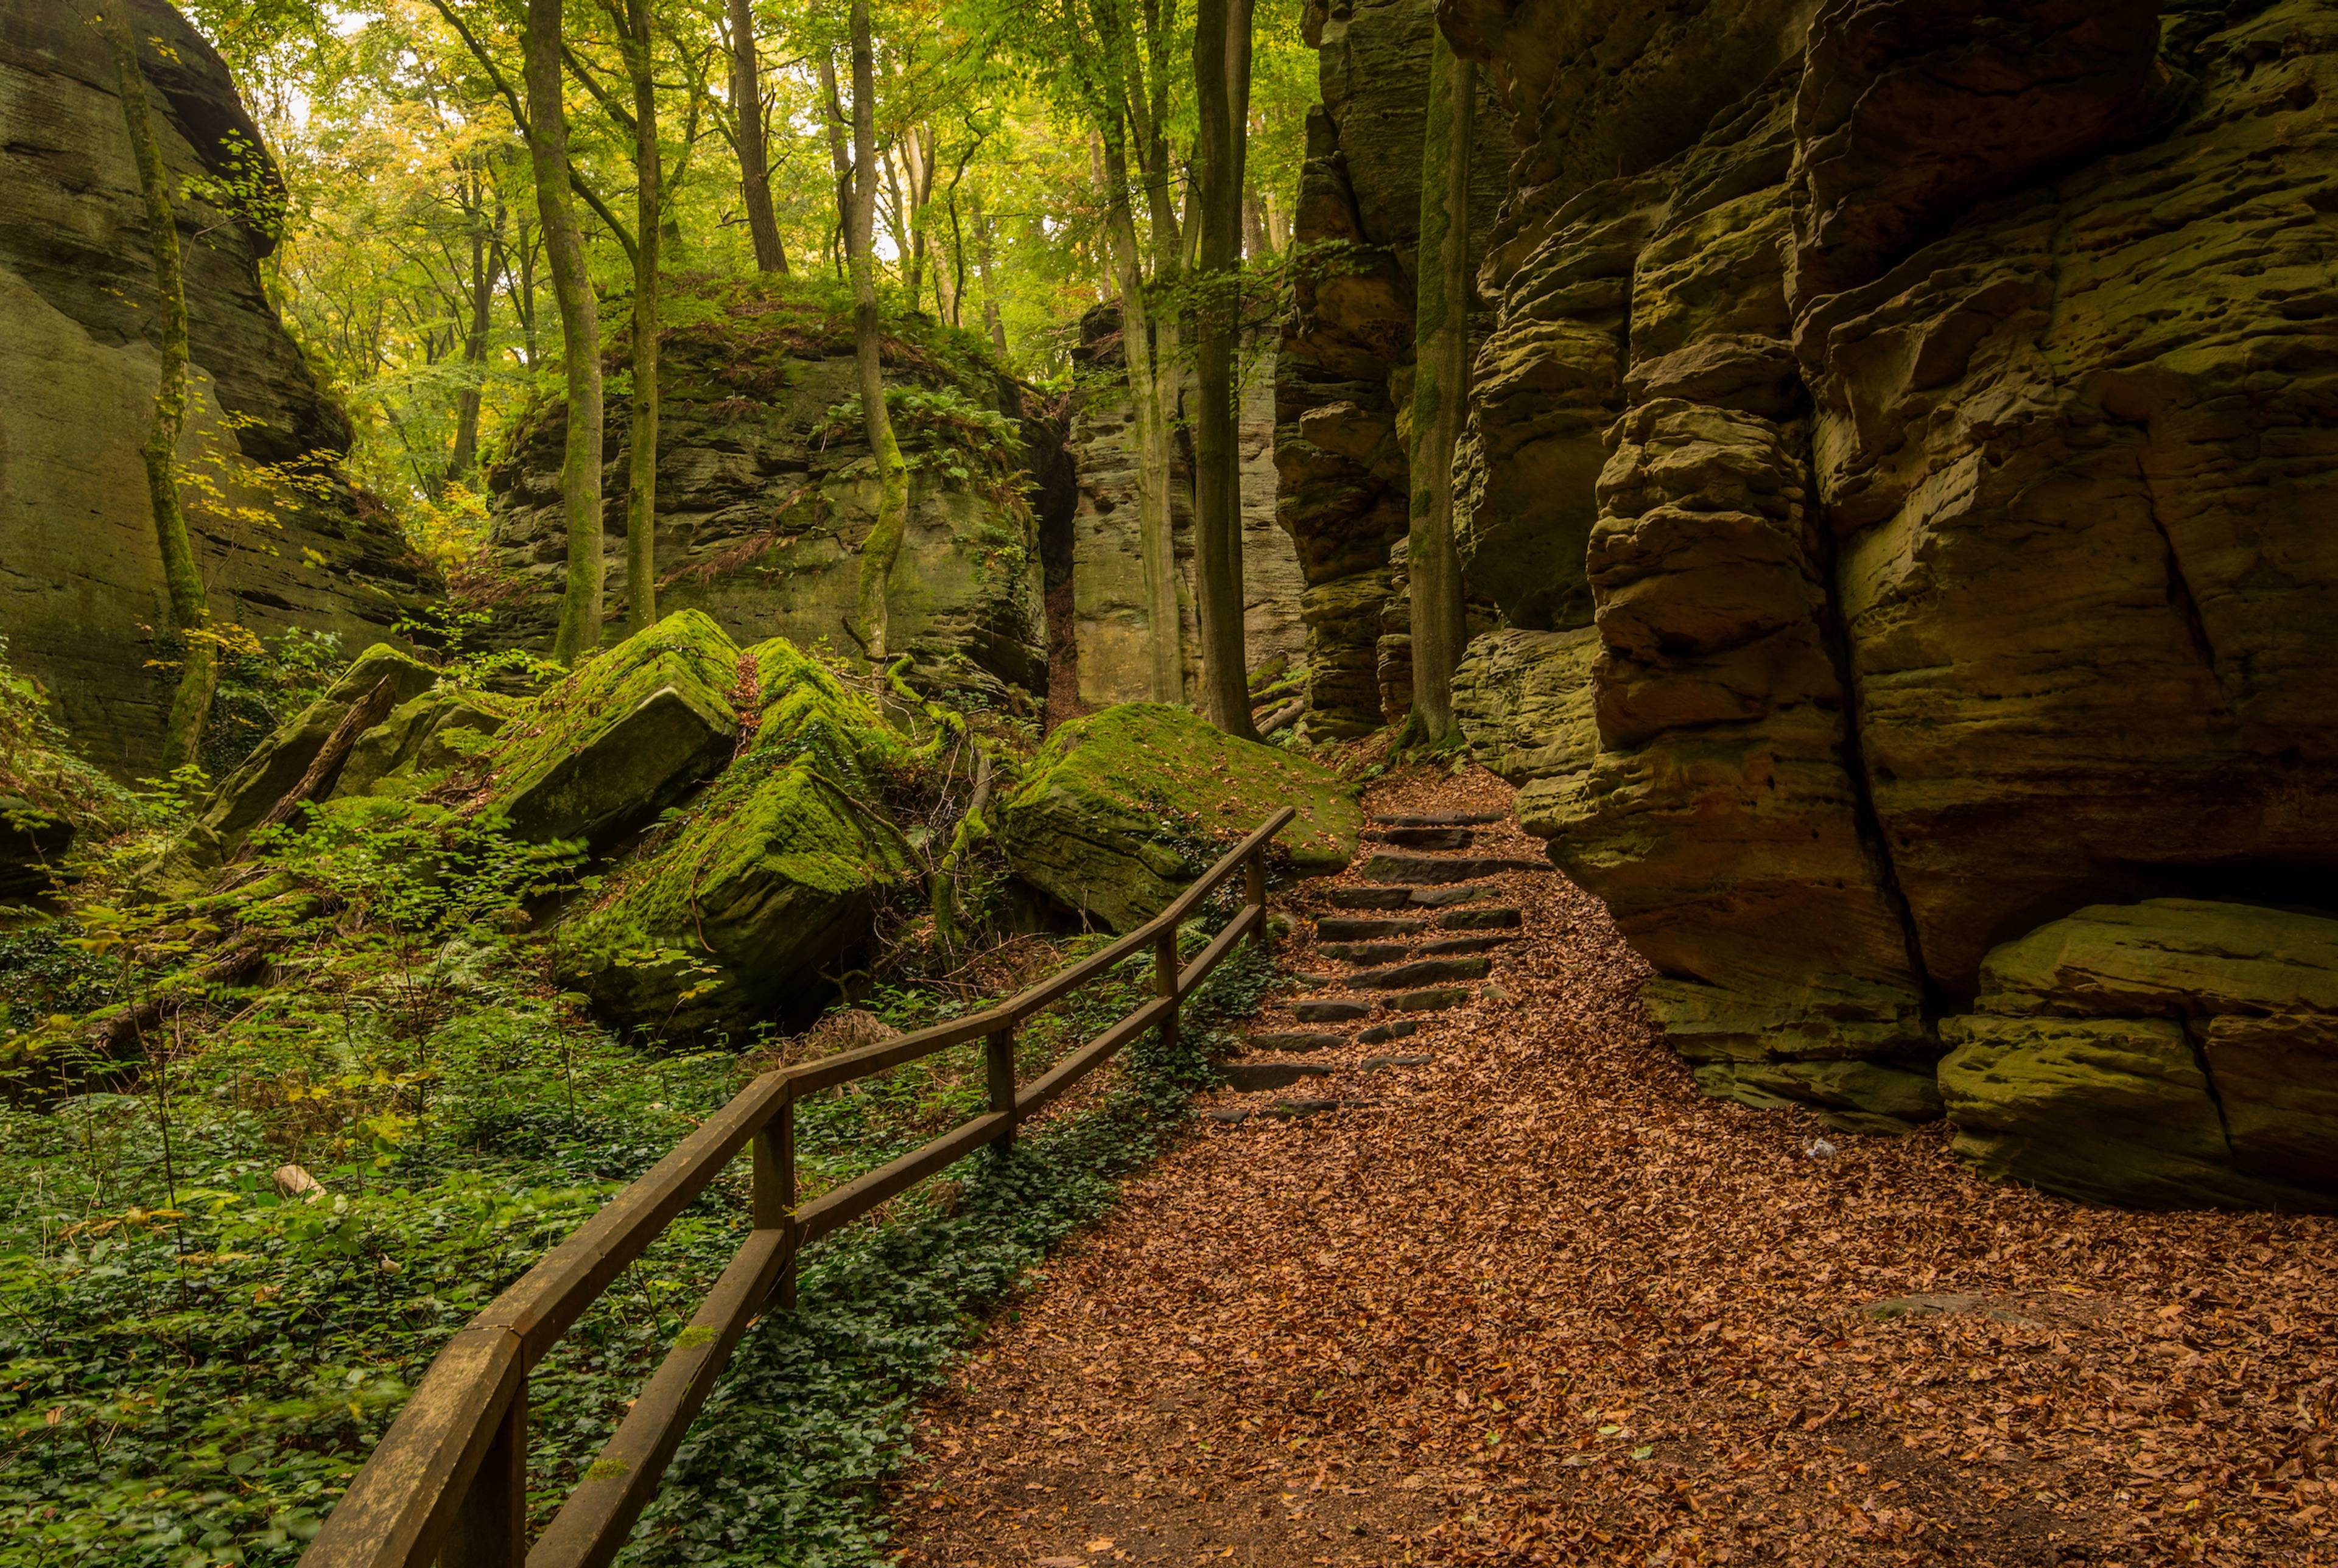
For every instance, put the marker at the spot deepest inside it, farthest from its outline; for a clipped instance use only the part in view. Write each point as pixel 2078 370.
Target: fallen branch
pixel 1286 714
pixel 326 766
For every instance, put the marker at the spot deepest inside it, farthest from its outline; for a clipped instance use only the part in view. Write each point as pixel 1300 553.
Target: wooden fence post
pixel 999 1052
pixel 775 1192
pixel 491 1522
pixel 1254 895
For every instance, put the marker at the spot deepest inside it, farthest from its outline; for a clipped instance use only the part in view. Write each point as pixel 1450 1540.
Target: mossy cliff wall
pixel 282 539
pixel 763 498
pixel 1931 405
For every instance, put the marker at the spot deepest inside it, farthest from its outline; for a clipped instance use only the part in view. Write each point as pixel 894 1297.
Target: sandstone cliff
pixel 765 493
pixel 1108 626
pixel 282 538
pixel 1344 371
pixel 1931 405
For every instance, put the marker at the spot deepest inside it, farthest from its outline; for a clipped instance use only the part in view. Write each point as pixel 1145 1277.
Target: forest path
pixel 1508 1289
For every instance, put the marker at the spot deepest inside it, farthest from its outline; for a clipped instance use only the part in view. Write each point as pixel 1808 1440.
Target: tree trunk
pixel 754 166
pixel 580 326
pixel 1221 54
pixel 640 475
pixel 839 158
pixel 883 545
pixel 1164 644
pixel 483 249
pixel 1439 387
pixel 1255 239
pixel 993 322
pixel 182 579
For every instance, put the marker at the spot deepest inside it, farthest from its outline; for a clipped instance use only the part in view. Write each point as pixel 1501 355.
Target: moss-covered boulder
pixel 280 762
pixel 2173 1053
pixel 774 873
pixel 628 734
pixel 1122 810
pixel 422 740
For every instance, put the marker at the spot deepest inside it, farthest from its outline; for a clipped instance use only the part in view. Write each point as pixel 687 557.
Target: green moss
pixel 774 873
pixel 1124 808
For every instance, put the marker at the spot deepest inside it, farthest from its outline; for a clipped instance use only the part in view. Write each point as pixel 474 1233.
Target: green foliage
pixel 262 683
pixel 41 774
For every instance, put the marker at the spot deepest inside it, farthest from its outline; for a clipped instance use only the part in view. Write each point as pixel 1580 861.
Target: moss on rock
pixel 626 736
pixel 775 874
pixel 1123 808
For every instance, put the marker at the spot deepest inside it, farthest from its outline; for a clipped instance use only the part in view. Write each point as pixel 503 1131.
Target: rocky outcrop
pixel 766 491
pixel 2171 1052
pixel 1940 396
pixel 1109 625
pixel 1343 379
pixel 282 539
pixel 1123 808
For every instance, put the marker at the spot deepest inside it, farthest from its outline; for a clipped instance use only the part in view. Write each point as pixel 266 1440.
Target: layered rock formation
pixel 80 579
pixel 1344 372
pixel 765 494
pixel 1109 627
pixel 1940 394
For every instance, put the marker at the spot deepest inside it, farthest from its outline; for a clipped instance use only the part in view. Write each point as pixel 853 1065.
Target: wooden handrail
pixel 447 1483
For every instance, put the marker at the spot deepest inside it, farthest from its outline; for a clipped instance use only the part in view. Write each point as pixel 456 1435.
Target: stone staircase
pixel 1411 935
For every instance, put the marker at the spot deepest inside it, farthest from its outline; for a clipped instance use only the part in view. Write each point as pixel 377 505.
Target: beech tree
pixel 183 578
pixel 1221 98
pixel 641 471
pixel 1439 388
pixel 754 147
pixel 883 546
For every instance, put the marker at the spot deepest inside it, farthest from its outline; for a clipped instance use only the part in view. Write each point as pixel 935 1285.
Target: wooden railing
pixel 450 1480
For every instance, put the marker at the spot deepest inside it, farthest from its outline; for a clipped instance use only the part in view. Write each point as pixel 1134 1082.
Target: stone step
pixel 1329 1010
pixel 1394 1029
pixel 1374 1064
pixel 1256 1077
pixel 1420 972
pixel 1450 894
pixel 1363 952
pixel 1423 838
pixel 1366 928
pixel 1394 866
pixel 1431 999
pixel 1440 818
pixel 1294 1108
pixel 1296 1041
pixel 1479 920
pixel 1446 946
pixel 1369 898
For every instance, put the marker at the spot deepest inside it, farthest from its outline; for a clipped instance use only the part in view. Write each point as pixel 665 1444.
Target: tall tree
pixel 1439 387
pixel 641 473
pixel 754 150
pixel 182 579
pixel 1222 93
pixel 483 215
pixel 883 545
pixel 580 324
pixel 993 322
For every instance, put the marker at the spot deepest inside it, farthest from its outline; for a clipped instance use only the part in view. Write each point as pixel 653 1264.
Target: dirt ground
pixel 1536 1300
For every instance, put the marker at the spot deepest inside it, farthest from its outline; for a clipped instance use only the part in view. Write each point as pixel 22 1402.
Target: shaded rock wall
pixel 282 538
pixel 1344 371
pixel 1109 623
pixel 1941 395
pixel 763 503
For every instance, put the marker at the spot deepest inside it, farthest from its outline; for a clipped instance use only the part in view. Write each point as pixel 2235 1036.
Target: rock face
pixel 766 491
pixel 2173 1053
pixel 1120 810
pixel 1929 406
pixel 1343 379
pixel 81 579
pixel 1108 625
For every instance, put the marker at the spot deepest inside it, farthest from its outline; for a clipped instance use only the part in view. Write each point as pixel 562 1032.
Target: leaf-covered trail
pixel 1543 1302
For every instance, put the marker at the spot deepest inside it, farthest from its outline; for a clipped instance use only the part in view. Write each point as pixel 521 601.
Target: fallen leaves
pixel 1546 1303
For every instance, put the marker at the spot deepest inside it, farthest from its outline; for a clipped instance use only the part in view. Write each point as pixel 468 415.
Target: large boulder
pixel 775 872
pixel 631 731
pixel 81 588
pixel 1122 810
pixel 285 758
pixel 2171 1054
